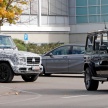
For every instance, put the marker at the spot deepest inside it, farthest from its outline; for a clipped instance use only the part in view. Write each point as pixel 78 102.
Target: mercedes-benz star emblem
pixel 33 59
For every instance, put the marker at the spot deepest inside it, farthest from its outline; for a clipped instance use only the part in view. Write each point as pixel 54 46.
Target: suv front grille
pixel 33 60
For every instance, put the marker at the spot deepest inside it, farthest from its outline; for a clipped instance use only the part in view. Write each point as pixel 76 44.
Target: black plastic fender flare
pixel 91 65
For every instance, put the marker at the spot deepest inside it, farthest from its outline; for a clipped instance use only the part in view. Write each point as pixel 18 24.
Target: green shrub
pixel 39 49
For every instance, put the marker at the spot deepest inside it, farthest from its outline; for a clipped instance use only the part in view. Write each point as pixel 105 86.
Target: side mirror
pixel 103 47
pixel 50 54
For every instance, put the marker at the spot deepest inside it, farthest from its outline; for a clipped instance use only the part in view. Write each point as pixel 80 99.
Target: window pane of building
pixel 104 2
pixel 58 7
pixel 94 18
pixel 104 18
pixel 81 2
pixel 52 8
pixel 94 10
pixel 33 20
pixel 25 19
pixel 104 9
pixel 34 7
pixel 98 2
pixel 81 11
pixel 44 20
pixel 26 9
pixel 92 2
pixel 44 6
pixel 81 19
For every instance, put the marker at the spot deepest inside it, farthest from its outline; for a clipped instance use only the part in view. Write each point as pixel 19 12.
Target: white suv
pixel 14 62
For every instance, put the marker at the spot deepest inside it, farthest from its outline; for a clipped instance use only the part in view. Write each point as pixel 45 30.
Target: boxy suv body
pixel 14 62
pixel 96 59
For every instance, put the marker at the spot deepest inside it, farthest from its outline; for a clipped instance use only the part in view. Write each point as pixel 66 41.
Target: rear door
pixel 76 59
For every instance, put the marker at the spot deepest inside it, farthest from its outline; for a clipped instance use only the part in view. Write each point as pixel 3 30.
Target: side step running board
pixel 100 78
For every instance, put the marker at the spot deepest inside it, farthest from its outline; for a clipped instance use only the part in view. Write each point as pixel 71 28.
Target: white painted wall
pixel 79 32
pixel 84 28
pixel 77 38
pixel 42 37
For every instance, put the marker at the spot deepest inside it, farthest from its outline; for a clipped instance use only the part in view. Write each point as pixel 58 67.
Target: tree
pixel 10 10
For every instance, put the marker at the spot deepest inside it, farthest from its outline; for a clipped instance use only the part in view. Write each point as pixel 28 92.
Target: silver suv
pixel 14 62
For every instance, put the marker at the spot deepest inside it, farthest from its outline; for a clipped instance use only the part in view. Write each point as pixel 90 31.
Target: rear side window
pixel 78 50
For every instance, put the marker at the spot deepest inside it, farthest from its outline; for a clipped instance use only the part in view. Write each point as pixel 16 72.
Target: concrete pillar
pixel 39 13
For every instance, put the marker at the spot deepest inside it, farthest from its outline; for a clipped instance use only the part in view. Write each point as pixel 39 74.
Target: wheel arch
pixel 86 66
pixel 91 66
pixel 7 62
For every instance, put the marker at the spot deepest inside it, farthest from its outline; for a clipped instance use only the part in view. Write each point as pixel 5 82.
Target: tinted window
pixel 78 50
pixel 64 50
pixel 89 46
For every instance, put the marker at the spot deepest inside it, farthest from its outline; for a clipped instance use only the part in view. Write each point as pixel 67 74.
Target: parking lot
pixel 56 91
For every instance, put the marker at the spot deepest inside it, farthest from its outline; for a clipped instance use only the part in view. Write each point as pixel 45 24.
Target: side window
pixel 2 41
pixel 89 45
pixel 97 42
pixel 64 50
pixel 78 50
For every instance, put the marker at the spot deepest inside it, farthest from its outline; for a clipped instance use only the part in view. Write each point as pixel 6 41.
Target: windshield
pixel 6 42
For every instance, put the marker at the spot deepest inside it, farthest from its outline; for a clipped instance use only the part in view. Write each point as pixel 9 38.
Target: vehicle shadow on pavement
pixel 68 92
pixel 18 82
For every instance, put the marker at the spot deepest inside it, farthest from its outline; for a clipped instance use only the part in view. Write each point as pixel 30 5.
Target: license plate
pixel 35 68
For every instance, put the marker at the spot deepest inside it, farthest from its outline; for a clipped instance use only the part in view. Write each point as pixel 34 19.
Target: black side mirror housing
pixel 50 54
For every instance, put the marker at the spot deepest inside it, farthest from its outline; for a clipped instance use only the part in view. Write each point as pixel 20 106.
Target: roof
pixel 5 35
pixel 74 44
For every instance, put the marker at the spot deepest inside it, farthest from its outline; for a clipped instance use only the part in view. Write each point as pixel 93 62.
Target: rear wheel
pixel 30 78
pixel 6 73
pixel 90 84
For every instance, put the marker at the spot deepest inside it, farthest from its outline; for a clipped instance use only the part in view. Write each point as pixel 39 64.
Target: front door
pixel 58 62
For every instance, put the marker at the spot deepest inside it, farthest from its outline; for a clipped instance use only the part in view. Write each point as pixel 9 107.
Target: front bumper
pixel 23 69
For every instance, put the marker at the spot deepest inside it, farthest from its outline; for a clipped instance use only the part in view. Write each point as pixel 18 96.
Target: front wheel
pixel 30 78
pixel 44 73
pixel 6 73
pixel 90 84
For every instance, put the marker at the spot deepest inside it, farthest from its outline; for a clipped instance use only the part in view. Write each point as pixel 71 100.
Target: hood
pixel 19 53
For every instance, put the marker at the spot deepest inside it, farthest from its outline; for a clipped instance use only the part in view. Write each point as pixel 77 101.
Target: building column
pixel 39 13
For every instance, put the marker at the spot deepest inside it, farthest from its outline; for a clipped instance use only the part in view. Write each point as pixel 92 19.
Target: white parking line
pixel 67 97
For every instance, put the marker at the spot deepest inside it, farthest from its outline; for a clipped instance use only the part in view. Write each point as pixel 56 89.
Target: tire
pixel 90 84
pixel 6 73
pixel 30 78
pixel 45 74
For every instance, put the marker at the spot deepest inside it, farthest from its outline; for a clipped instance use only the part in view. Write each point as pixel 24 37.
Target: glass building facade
pixel 53 12
pixel 88 11
pixel 58 12
pixel 62 20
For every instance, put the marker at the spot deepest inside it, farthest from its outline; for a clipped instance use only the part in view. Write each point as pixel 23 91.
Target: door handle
pixel 65 57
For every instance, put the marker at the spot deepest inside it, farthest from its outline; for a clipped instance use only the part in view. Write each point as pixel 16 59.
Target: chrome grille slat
pixel 30 60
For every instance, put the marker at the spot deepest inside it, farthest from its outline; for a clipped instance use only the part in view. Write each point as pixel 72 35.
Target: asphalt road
pixel 57 91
